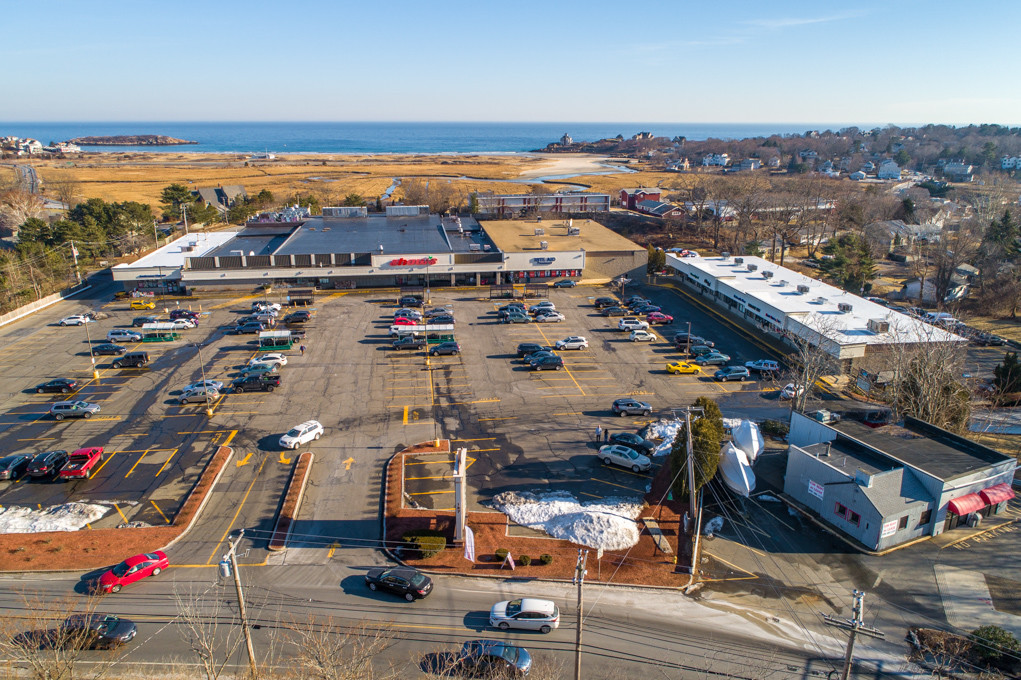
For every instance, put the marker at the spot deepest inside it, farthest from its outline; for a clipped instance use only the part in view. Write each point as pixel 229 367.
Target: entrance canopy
pixel 997 494
pixel 965 505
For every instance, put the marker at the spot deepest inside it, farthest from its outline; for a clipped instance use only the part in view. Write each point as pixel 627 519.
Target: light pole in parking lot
pixel 202 368
pixel 92 355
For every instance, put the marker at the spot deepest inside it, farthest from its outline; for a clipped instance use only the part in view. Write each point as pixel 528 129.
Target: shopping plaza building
pixel 348 248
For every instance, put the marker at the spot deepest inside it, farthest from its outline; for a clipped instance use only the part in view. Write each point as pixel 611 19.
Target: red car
pixel 659 317
pixel 404 321
pixel 133 569
pixel 81 463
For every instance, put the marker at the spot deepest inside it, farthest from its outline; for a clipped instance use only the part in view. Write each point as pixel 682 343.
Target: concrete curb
pixel 205 500
pixel 292 496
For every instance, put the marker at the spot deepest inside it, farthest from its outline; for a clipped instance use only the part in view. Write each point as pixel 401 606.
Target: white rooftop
pixel 812 303
pixel 173 254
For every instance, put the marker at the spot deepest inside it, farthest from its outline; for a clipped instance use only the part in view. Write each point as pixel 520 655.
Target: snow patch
pixel 608 523
pixel 731 423
pixel 15 519
pixel 767 497
pixel 713 526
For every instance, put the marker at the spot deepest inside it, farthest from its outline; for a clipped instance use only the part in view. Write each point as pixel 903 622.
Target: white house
pixel 751 164
pixel 1010 162
pixel 720 159
pixel 888 169
pixel 858 176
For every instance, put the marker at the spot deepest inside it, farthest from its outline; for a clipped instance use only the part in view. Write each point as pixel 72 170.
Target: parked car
pixel 572 342
pixel 301 316
pixel 255 383
pixel 632 441
pixel 529 358
pixel 260 369
pixel 133 569
pixel 518 318
pixel 47 464
pixel 445 348
pixel 441 320
pixel 209 384
pixel 728 373
pixel 630 323
pixel 565 283
pixel 131 360
pixel 540 306
pixel 14 466
pixel 184 324
pixel 410 301
pixel 62 385
pixel 308 431
pixel 143 304
pixel 183 314
pixel 625 457
pixel 647 309
pixel 602 302
pixel 409 342
pixel 75 320
pixel 73 409
pixel 659 318
pixel 438 311
pixel 96 631
pixel 762 366
pixel 678 367
pixel 140 321
pixel 529 347
pixel 525 613
pixel 249 328
pixel 549 316
pixel 642 336
pixel 513 305
pixel 199 393
pixel 699 350
pixel 491 659
pixel 411 584
pixel 108 348
pixel 547 363
pixel 713 358
pixel 988 340
pixel 82 463
pixel 631 407
pixel 614 311
pixel 123 335
pixel 790 391
pixel 269 358
pixel 266 306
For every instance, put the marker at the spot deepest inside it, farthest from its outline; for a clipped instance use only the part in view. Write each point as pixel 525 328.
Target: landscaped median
pixel 292 501
pixel 423 538
pixel 90 549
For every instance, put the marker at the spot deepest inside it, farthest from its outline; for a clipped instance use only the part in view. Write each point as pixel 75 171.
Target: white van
pixel 939 318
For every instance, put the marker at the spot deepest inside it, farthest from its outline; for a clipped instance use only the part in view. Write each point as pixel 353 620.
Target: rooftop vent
pixel 781 283
pixel 819 301
pixel 539 231
pixel 738 260
pixel 803 289
pixel 879 325
pixel 543 245
pixel 844 307
pixel 767 274
pixel 725 255
pixel 752 267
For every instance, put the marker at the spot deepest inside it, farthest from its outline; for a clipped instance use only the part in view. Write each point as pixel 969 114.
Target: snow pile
pixel 713 526
pixel 15 519
pixel 767 497
pixel 608 523
pixel 731 423
pixel 663 429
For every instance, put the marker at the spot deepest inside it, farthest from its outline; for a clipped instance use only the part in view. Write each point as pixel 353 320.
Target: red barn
pixel 630 198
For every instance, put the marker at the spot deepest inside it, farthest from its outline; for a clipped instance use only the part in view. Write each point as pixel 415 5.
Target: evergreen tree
pixel 706 439
pixel 1007 376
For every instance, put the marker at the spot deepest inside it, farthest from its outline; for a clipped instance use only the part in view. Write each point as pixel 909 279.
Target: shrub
pixel 546 559
pixel 525 560
pixel 775 427
pixel 992 642
pixel 428 542
pixel 501 554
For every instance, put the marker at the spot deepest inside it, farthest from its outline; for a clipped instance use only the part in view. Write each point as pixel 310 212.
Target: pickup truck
pixel 81 463
pixel 297 335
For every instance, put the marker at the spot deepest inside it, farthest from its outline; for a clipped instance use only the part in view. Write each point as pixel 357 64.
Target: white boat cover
pixel 747 437
pixel 736 471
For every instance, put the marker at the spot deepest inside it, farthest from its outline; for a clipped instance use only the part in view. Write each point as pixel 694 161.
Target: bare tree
pixel 66 187
pixel 329 650
pixel 815 355
pixel 210 628
pixel 17 205
pixel 956 247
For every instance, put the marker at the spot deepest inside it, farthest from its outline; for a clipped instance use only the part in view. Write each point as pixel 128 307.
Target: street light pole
pixel 202 368
pixel 184 213
pixel 92 356
pixel 232 556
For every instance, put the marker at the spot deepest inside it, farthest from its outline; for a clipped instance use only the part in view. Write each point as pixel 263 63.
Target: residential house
pixel 680 165
pixel 30 146
pixel 808 155
pixel 751 164
pixel 868 166
pixel 630 198
pixel 659 209
pixel 719 159
pixel 910 288
pixel 888 169
pixel 858 176
pixel 957 171
pixel 1010 162
pixel 773 162
pixel 221 197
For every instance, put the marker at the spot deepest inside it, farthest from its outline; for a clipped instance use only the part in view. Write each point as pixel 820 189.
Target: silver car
pixel 199 393
pixel 526 614
pixel 625 457
pixel 73 409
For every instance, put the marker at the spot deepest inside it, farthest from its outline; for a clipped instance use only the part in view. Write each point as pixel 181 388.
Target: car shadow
pixel 355 585
pixel 88 583
pixel 442 664
pixel 477 621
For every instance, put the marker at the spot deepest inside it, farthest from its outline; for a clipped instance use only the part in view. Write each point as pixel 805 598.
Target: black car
pixel 647 309
pixel 99 631
pixel 530 347
pixel 409 342
pixel 108 348
pixel 140 321
pixel 132 359
pixel 410 583
pixel 547 363
pixel 62 385
pixel 534 356
pixel 12 467
pixel 512 305
pixel 682 339
pixel 442 319
pixel 298 317
pixel 183 314
pixel 632 441
pixel 47 464
pixel 614 311
pixel 445 348
pixel 493 659
pixel 565 283
pixel 255 383
pixel 605 302
pixel 410 301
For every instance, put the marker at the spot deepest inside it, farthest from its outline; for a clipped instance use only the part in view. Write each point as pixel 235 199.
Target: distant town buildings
pixel 220 197
pixel 1010 162
pixel 514 205
pixel 630 198
pixel 718 159
pixel 888 169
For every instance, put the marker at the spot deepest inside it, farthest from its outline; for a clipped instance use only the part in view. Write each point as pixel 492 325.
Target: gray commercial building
pixel 883 487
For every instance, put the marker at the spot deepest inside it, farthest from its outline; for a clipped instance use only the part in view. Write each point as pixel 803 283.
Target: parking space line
pixel 584 493
pixel 429 493
pixel 165 518
pixel 237 512
pixel 163 467
pixel 136 464
pixel 620 486
pixel 106 460
pixel 482 420
pixel 120 513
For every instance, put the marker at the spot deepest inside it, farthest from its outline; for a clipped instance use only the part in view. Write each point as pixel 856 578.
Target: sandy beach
pixel 566 164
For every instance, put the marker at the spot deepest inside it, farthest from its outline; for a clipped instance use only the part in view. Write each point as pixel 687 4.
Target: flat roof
pixel 398 235
pixel 519 235
pixel 929 449
pixel 848 456
pixel 817 309
pixel 173 254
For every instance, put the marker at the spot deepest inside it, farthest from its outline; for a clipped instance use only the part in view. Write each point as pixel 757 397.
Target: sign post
pixel 460 493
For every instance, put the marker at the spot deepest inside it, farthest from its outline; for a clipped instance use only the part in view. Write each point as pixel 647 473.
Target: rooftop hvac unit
pixel 573 231
pixel 738 260
pixel 474 247
pixel 767 274
pixel 539 231
pixel 781 283
pixel 803 289
pixel 752 267
pixel 487 247
pixel 820 300
pixel 844 307
pixel 543 245
pixel 879 325
pixel 725 255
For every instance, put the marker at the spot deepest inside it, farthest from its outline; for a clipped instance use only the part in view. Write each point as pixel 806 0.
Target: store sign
pixel 889 529
pixel 543 260
pixel 815 489
pixel 406 262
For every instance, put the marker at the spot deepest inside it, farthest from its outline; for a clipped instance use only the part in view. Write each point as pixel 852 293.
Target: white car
pixel 210 384
pixel 271 358
pixel 762 366
pixel 625 457
pixel 541 307
pixel 549 316
pixel 124 335
pixel 270 307
pixel 75 320
pixel 408 314
pixel 183 324
pixel 632 324
pixel 526 613
pixel 573 342
pixel 302 434
pixel 790 390
pixel 642 336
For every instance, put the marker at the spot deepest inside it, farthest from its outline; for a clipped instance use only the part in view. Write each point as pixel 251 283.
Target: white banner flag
pixel 469 544
pixel 508 560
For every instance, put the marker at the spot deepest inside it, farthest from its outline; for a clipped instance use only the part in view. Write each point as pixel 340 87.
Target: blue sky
pixel 682 61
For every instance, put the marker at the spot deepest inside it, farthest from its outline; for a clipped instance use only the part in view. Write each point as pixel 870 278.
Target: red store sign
pixel 404 262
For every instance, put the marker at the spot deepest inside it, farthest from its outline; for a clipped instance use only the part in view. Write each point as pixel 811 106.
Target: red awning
pixel 997 494
pixel 965 505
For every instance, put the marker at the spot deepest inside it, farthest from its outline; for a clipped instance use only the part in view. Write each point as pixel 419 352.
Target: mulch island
pixel 90 549
pixel 548 558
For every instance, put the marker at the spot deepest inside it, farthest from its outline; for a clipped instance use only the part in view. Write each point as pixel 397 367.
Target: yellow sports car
pixel 679 367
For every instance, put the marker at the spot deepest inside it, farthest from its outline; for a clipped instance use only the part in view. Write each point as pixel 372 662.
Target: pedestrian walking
pixel 606 436
pixel 302 349
pixel 599 433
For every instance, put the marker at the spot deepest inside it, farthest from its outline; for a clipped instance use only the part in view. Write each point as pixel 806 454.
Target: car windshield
pixel 120 569
pixel 293 432
pixel 513 607
pixel 629 453
pixel 509 653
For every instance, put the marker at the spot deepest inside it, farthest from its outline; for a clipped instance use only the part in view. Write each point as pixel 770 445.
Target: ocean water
pixel 356 138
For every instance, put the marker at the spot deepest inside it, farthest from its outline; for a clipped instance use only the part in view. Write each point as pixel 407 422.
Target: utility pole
pixel 687 344
pixel 691 467
pixel 184 213
pixel 855 625
pixel 579 578
pixel 231 556
pixel 74 254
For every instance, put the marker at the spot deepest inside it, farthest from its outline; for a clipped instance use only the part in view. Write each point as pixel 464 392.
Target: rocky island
pixel 129 140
